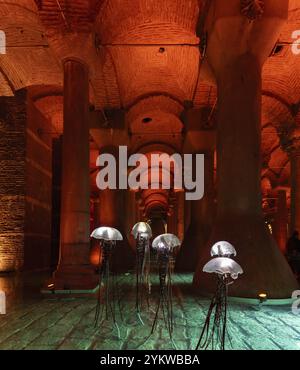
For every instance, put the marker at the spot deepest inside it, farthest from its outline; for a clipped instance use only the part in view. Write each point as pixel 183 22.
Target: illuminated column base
pixel 239 215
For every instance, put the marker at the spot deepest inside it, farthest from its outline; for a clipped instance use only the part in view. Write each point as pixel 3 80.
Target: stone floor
pixel 34 322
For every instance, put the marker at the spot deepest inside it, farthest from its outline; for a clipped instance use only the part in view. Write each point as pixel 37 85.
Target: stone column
pixel 239 215
pixel 187 214
pixel 280 229
pixel 171 217
pixel 95 247
pixel 181 212
pixel 112 213
pixel 96 212
pixel 109 209
pixel 291 145
pixel 74 270
pixel 56 199
pixel 202 213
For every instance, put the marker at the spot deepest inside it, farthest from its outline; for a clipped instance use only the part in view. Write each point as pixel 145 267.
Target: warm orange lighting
pixel 262 297
pixel 95 255
pixel 270 228
pixel 51 286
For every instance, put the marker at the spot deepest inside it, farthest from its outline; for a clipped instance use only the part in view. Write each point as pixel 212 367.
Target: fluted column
pixel 295 191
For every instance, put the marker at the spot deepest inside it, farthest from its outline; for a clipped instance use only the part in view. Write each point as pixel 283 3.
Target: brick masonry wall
pixel 12 181
pixel 25 185
pixel 38 200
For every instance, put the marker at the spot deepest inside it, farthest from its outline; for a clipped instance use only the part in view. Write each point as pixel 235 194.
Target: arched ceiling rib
pixel 148 21
pixel 28 58
pixel 113 37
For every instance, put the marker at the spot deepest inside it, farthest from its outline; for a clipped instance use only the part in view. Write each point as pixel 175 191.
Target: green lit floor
pixel 33 322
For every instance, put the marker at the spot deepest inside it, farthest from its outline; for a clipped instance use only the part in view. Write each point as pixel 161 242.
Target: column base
pixel 195 239
pixel 265 268
pixel 73 278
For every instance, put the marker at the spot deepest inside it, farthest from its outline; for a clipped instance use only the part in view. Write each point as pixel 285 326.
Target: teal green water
pixel 45 323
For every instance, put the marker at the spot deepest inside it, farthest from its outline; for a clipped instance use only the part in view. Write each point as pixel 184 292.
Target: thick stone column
pixel 280 229
pixel 74 270
pixel 96 212
pixel 202 214
pixel 239 215
pixel 56 199
pixel 181 211
pixel 109 208
pixel 95 247
pixel 113 214
pixel 172 214
pixel 293 150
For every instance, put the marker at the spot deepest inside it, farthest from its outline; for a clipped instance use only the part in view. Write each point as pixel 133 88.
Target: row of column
pixel 239 215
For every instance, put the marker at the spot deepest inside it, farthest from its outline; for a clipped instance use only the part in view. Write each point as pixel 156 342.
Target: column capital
pixel 75 60
pixel 227 21
pixel 252 9
pixel 290 142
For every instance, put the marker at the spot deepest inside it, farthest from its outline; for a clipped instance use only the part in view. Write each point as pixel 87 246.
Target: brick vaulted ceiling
pixel 139 50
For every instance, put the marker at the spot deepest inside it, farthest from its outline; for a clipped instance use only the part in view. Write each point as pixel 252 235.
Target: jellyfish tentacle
pixel 227 270
pixel 165 245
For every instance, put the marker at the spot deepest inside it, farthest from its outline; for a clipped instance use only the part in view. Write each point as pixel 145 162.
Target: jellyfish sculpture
pixel 142 233
pixel 222 249
pixel 227 270
pixel 165 246
pixel 108 237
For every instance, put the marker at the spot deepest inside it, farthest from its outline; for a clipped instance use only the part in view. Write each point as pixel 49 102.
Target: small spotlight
pixel 262 298
pixel 50 286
